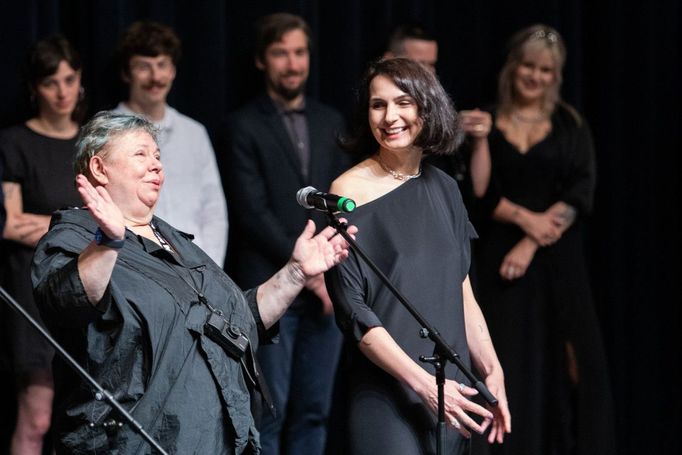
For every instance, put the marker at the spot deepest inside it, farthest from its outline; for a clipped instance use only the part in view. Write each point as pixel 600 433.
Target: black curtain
pixel 623 73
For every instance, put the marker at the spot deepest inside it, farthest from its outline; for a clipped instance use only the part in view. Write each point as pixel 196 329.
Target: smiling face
pixel 534 76
pixel 393 115
pixel 58 94
pixel 286 64
pixel 150 79
pixel 132 172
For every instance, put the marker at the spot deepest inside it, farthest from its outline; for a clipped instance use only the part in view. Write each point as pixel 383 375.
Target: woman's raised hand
pixel 315 254
pixel 102 209
pixel 476 123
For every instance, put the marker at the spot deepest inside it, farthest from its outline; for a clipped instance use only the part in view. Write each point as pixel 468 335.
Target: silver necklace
pixel 395 174
pixel 528 119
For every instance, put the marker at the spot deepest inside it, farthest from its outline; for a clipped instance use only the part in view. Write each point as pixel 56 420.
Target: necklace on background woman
pixel 537 118
pixel 395 174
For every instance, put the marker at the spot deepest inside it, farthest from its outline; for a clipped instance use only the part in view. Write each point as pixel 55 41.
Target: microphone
pixel 310 198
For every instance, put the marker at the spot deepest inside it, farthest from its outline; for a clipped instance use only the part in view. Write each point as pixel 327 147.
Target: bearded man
pixel 275 145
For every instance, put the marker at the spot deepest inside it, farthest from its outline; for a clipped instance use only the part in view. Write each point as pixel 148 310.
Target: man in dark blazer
pixel 275 145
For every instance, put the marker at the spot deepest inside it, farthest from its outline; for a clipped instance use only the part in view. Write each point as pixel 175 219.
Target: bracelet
pixel 102 239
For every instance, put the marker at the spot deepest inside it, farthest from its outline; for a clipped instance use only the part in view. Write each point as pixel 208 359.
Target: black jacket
pixel 262 172
pixel 144 342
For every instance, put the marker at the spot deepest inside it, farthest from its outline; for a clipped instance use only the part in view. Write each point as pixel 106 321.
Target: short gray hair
pixel 98 132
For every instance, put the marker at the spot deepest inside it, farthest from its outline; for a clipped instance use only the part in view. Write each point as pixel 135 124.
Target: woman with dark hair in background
pixel 37 180
pixel 532 279
pixel 415 226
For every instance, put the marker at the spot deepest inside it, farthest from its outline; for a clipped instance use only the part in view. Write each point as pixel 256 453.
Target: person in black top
pixel 416 228
pixel 130 297
pixel 36 181
pixel 533 285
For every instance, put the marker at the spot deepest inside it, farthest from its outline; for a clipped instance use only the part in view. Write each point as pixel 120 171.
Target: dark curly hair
pixel 149 39
pixel 441 132
pixel 42 61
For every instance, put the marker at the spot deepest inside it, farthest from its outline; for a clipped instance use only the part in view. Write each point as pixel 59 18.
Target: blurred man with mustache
pixel 278 143
pixel 193 199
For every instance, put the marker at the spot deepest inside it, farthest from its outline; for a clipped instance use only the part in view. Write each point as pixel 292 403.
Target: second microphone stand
pixel 101 394
pixel 442 352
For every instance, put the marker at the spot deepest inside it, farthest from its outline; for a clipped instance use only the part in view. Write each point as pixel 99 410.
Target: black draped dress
pixel 419 236
pixel 532 319
pixel 43 167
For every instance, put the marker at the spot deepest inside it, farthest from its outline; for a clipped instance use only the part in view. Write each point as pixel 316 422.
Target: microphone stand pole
pixel 442 352
pixel 100 392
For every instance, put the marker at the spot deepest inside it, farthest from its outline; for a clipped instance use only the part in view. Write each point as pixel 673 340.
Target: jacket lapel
pixel 275 125
pixel 318 160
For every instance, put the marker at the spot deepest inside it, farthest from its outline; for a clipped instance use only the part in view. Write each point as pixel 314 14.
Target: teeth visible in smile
pixel 394 130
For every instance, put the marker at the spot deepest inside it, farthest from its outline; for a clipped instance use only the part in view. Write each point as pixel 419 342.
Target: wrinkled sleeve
pixel 348 290
pixel 469 235
pixel 581 170
pixel 265 335
pixel 57 285
pixel 465 230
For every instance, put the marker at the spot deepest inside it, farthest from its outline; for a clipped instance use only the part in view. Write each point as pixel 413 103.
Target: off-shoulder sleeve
pixel 465 231
pixel 347 288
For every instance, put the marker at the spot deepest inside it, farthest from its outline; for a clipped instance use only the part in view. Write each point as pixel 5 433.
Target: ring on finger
pixel 478 128
pixel 455 423
pixel 461 387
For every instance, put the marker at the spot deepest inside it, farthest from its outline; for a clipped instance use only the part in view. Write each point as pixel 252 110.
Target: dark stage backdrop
pixel 623 72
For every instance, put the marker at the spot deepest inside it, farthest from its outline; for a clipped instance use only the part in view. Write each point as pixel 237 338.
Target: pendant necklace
pixel 395 174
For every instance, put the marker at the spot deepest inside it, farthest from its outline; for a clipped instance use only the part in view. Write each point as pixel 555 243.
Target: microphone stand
pixel 442 352
pixel 100 392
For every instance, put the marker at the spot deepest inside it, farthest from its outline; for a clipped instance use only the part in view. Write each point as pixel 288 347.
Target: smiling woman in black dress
pixel 415 227
pixel 533 285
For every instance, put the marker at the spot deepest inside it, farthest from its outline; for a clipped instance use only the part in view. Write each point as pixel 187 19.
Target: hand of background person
pixel 26 228
pixel 543 227
pixel 21 227
pixel 102 209
pixel 315 254
pixel 317 285
pixel 476 123
pixel 516 262
pixel 562 214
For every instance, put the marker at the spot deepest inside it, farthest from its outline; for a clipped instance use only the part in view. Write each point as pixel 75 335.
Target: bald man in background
pixel 414 42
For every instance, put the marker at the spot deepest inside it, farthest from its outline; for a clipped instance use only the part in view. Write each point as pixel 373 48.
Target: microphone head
pixel 345 205
pixel 302 197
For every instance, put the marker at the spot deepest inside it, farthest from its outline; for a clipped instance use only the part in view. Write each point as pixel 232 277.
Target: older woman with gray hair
pixel 133 298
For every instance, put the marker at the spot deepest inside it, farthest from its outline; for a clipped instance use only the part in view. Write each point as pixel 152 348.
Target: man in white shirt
pixel 192 200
